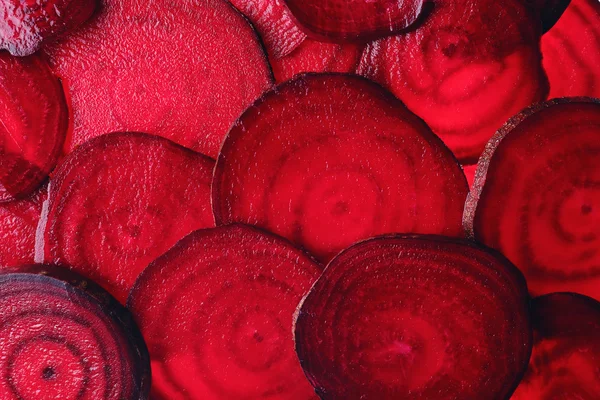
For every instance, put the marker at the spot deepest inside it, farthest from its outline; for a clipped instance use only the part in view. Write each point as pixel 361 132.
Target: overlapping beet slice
pixel 216 311
pixel 328 159
pixel 536 196
pixel 62 337
pixel 121 200
pixel 566 351
pixel 415 317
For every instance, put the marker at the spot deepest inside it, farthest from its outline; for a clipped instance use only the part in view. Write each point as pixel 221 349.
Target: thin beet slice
pixel 121 200
pixel 566 350
pixel 184 70
pixel 328 159
pixel 33 124
pixel 458 72
pixel 216 311
pixel 415 317
pixel 63 337
pixel 536 196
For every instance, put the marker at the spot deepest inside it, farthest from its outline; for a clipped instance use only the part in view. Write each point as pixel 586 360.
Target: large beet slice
pixel 566 352
pixel 415 317
pixel 184 70
pixel 121 200
pixel 536 195
pixel 328 159
pixel 216 311
pixel 62 337
pixel 33 124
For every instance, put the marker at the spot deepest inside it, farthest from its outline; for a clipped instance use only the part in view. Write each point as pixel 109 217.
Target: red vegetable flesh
pixel 61 337
pixel 415 317
pixel 183 70
pixel 536 196
pixel 216 311
pixel 566 351
pixel 121 200
pixel 328 159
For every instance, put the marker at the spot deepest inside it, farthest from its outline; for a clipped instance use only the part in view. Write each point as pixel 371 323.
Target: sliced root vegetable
pixel 566 351
pixel 415 317
pixel 121 200
pixel 328 159
pixel 216 311
pixel 536 196
pixel 33 124
pixel 62 337
pixel 183 70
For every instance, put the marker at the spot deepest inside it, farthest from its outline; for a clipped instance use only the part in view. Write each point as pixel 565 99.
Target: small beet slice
pixel 328 159
pixel 63 337
pixel 536 196
pixel 121 200
pixel 216 311
pixel 33 124
pixel 566 351
pixel 415 317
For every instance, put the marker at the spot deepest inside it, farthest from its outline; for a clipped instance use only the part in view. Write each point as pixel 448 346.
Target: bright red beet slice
pixel 536 196
pixel 328 159
pixel 216 311
pixel 121 200
pixel 415 317
pixel 566 351
pixel 459 74
pixel 62 337
pixel 34 121
pixel 183 70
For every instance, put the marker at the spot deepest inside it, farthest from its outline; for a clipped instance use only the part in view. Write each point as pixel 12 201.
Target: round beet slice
pixel 121 200
pixel 184 70
pixel 63 337
pixel 415 317
pixel 536 196
pixel 34 122
pixel 216 311
pixel 328 159
pixel 566 351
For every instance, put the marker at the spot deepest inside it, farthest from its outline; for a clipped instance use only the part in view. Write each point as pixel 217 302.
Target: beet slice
pixel 415 317
pixel 536 196
pixel 121 200
pixel 62 337
pixel 34 121
pixel 566 351
pixel 183 70
pixel 328 159
pixel 216 311
pixel 458 72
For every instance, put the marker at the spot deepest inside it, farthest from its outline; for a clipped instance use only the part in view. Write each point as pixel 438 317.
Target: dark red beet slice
pixel 536 196
pixel 566 351
pixel 121 200
pixel 328 159
pixel 33 124
pixel 62 337
pixel 183 70
pixel 465 71
pixel 415 317
pixel 216 311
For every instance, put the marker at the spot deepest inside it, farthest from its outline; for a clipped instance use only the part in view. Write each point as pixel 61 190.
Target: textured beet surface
pixel 121 200
pixel 415 317
pixel 184 70
pixel 216 311
pixel 34 121
pixel 62 337
pixel 566 351
pixel 457 73
pixel 326 160
pixel 536 196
